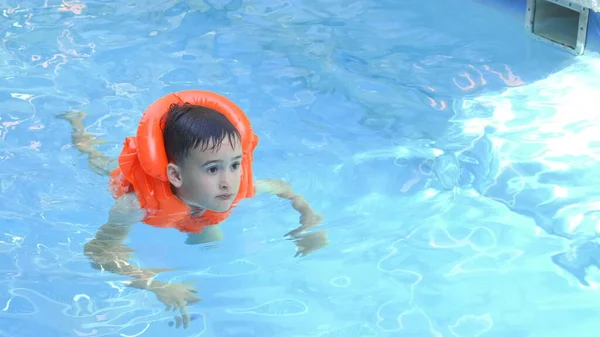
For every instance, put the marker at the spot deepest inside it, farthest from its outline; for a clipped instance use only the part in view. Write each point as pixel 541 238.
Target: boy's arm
pixel 107 250
pixel 308 218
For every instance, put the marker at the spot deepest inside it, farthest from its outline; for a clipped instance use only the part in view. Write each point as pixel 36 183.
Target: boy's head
pixel 204 150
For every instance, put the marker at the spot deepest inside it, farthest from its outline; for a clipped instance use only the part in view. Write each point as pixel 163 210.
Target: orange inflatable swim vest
pixel 143 163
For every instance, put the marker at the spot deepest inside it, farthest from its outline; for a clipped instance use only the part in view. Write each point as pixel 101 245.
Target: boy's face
pixel 209 179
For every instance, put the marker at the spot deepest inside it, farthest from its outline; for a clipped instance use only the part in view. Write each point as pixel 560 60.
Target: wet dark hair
pixel 188 126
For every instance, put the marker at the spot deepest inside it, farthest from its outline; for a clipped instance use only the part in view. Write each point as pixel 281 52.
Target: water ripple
pixel 455 175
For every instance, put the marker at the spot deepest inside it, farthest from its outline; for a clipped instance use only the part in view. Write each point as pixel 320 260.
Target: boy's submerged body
pixel 208 169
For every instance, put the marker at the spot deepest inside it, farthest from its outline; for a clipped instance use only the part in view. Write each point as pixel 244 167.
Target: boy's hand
pixel 306 242
pixel 310 242
pixel 176 296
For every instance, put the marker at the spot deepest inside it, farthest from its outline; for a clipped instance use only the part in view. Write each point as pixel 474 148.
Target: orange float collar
pixel 143 163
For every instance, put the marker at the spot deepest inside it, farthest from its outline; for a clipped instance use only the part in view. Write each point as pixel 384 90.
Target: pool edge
pixel 518 8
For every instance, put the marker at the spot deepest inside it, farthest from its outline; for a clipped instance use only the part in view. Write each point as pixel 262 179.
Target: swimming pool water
pixel 453 157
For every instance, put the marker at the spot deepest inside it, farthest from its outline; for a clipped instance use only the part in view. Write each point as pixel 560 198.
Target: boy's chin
pixel 224 207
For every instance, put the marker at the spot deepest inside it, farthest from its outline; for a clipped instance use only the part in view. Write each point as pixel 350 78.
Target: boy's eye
pixel 213 169
pixel 236 166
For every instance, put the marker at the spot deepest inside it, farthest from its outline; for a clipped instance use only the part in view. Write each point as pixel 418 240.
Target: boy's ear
pixel 174 175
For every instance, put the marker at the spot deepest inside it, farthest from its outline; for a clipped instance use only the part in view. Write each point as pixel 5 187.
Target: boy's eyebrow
pixel 219 161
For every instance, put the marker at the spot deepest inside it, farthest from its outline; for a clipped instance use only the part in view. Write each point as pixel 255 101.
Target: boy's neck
pixel 194 210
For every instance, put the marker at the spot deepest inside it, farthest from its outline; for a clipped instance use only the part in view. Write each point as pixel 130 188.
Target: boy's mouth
pixel 224 196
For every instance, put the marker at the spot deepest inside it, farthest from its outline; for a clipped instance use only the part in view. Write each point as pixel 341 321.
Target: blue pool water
pixel 454 158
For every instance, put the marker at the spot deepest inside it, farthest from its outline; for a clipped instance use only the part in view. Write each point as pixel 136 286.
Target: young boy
pixel 187 166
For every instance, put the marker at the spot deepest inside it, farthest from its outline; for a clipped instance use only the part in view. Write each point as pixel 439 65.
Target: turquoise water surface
pixel 453 157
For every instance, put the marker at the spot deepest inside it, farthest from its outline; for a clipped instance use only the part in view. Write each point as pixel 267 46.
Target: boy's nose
pixel 224 183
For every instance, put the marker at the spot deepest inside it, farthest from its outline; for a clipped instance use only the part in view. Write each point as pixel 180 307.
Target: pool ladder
pixel 561 22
